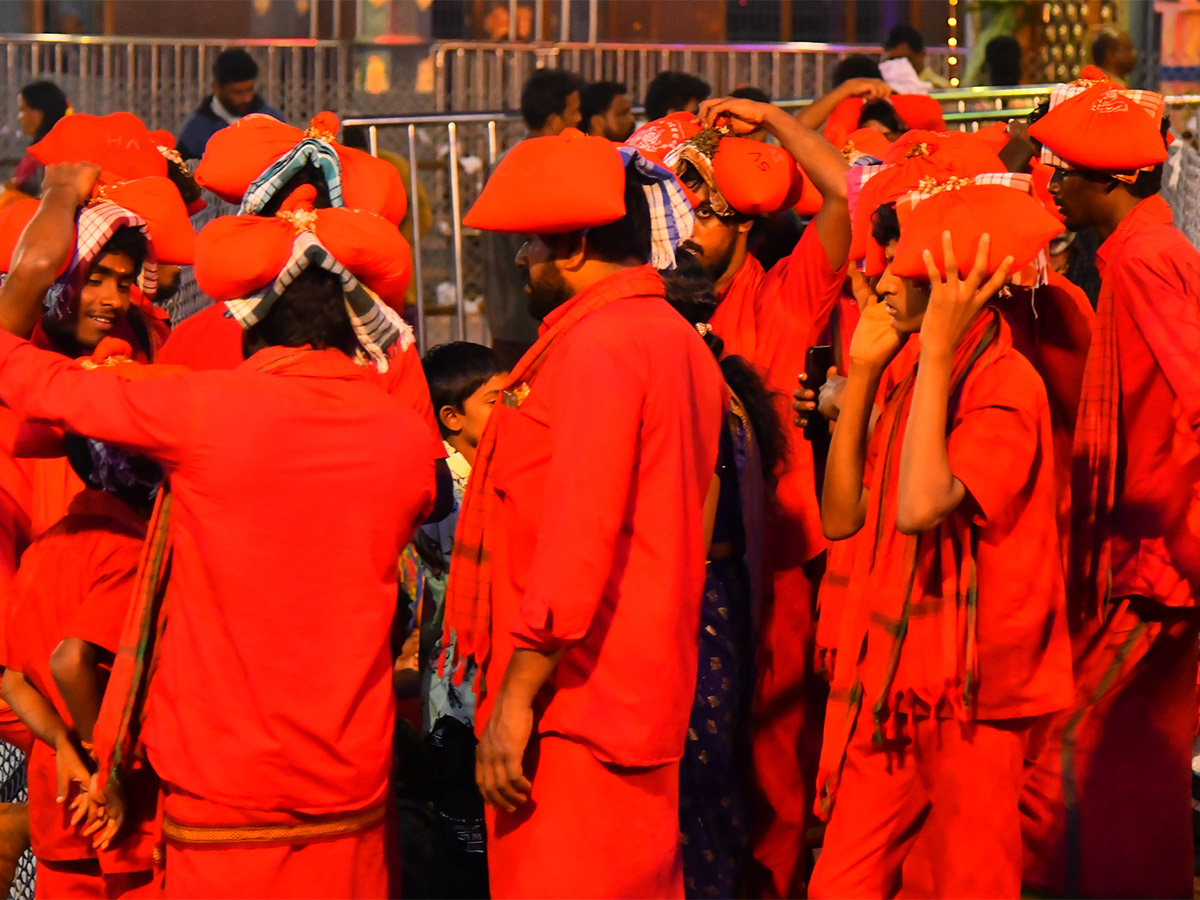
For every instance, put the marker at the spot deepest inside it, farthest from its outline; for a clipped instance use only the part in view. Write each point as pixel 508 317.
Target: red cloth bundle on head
pixel 994 137
pixel 154 200
pixel 237 158
pixel 864 142
pixel 658 138
pixel 157 201
pixel 1104 129
pixel 118 143
pixel 916 111
pixel 758 178
pixel 1018 224
pixel 919 156
pixel 237 256
pixel 744 176
pixel 553 185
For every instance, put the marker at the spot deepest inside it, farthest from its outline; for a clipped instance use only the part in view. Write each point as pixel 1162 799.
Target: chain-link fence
pixel 13 788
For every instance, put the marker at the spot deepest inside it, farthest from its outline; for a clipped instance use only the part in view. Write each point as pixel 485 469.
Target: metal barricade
pixel 163 82
pixel 453 154
pixel 476 75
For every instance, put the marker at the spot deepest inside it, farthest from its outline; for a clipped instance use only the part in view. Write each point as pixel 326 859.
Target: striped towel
pixel 95 224
pixel 312 151
pixel 376 325
pixel 671 215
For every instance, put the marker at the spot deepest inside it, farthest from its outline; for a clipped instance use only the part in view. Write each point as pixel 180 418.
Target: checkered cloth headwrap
pixel 855 179
pixel 376 325
pixel 312 151
pixel 1036 273
pixel 1154 105
pixel 671 215
pixel 95 224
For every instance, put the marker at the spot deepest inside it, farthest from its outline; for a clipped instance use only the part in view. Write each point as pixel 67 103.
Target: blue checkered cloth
pixel 95 224
pixel 376 325
pixel 671 215
pixel 312 151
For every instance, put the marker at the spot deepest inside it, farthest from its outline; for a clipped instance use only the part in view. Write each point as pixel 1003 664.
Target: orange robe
pixel 954 643
pixel 599 477
pixel 1106 815
pixel 76 581
pixel 296 484
pixel 772 318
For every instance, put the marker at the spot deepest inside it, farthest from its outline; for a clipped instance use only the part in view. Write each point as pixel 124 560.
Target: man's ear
pixel 573 253
pixel 596 125
pixel 450 418
pixel 745 226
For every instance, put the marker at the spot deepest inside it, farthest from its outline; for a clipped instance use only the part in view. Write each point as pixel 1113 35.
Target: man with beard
pixel 772 318
pixel 233 96
pixel 581 542
pixel 1107 815
pixel 606 111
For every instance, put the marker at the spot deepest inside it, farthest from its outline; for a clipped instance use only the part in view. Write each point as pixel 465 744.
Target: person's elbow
pixel 919 514
pixel 71 656
pixel 839 524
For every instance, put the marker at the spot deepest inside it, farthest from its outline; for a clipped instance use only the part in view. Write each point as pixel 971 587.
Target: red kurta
pixel 212 340
pixel 295 492
pixel 983 638
pixel 76 581
pixel 1106 815
pixel 772 318
pixel 601 475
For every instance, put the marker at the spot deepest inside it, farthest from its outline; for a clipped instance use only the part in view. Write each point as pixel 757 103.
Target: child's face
pixel 469 422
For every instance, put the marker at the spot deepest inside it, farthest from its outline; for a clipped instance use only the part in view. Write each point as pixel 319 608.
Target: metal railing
pixel 163 81
pixel 474 75
pixel 455 152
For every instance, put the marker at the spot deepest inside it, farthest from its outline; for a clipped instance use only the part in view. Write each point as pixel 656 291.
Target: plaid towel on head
pixel 310 150
pixel 856 178
pixel 95 224
pixel 671 215
pixel 376 325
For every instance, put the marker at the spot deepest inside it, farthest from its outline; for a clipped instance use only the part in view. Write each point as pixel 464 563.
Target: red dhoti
pixel 955 784
pixel 786 740
pixel 336 864
pixel 588 829
pixel 1107 810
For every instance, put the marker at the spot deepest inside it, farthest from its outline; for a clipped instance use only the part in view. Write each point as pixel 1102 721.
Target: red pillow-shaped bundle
pixel 157 201
pixel 945 153
pixel 553 185
pixel 918 111
pixel 866 141
pixel 235 156
pixel 370 247
pixel 1018 224
pixel 994 137
pixel 658 138
pixel 756 178
pixel 237 256
pixel 1103 129
pixel 118 143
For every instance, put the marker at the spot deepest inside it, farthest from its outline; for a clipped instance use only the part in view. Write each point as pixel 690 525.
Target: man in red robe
pixel 1108 807
pixel 295 483
pixel 772 318
pixel 580 547
pixel 953 641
